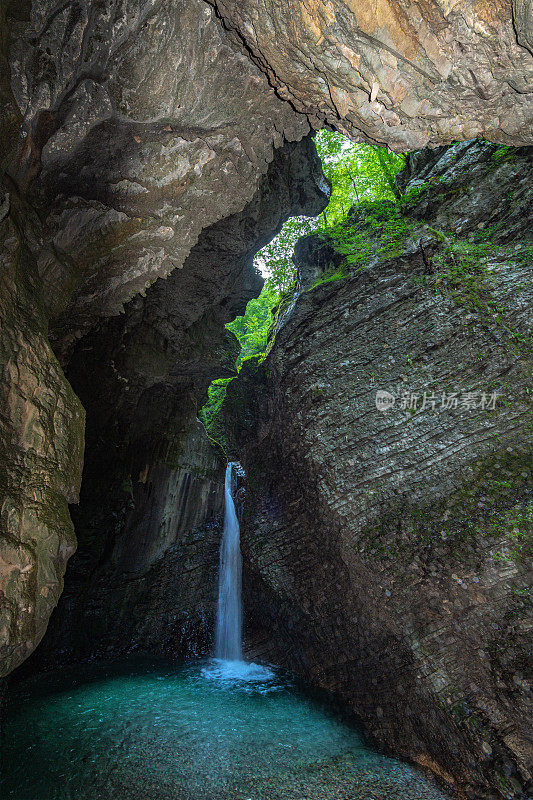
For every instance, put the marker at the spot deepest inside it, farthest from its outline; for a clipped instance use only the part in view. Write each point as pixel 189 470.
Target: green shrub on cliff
pixel 357 173
pixel 372 230
pixel 252 328
pixel 210 413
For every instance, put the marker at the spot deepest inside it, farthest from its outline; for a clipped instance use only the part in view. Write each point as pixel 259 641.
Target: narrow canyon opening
pixel 266 499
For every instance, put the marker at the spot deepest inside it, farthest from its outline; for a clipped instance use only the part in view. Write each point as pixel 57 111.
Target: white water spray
pixel 229 612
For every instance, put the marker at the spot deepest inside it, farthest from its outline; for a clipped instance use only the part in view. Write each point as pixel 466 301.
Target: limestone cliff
pixel 407 73
pixel 386 550
pixel 126 130
pixel 41 452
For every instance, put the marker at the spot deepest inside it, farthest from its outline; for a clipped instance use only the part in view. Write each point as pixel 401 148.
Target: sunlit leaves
pixel 275 260
pixel 357 173
pixel 252 329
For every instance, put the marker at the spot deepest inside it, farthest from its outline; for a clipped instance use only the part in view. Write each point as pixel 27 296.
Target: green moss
pixel 227 410
pixel 278 311
pixel 490 507
pixel 501 155
pixel 416 192
pixel 210 413
pixel 462 276
pixel 374 230
pixel 329 276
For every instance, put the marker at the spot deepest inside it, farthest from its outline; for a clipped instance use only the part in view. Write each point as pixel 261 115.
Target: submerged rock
pixel 147 150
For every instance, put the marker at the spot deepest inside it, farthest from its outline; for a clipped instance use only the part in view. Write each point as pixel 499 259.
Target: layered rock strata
pixel 127 129
pixel 387 549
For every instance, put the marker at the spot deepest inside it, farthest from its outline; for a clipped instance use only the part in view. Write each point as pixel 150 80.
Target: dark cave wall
pixel 126 130
pixel 144 576
pixel 152 493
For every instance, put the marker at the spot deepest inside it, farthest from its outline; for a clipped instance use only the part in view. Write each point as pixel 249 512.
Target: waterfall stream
pixel 229 612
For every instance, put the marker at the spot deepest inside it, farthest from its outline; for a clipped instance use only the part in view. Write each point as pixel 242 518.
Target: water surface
pixel 209 731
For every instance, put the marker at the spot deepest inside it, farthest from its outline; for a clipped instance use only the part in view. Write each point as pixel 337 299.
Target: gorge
pixel 149 150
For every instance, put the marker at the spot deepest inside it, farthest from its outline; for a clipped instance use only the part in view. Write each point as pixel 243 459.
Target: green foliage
pixel 329 276
pixel 252 328
pixel 376 229
pixel 276 258
pixel 358 174
pixel 210 413
pixel 502 155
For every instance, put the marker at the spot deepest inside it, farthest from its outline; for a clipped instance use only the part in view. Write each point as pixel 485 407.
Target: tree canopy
pixel 357 173
pixel 252 329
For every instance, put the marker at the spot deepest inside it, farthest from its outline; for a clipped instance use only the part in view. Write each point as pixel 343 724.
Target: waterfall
pixel 229 611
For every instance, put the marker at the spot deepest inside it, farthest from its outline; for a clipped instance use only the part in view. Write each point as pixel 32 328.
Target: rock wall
pixel 407 73
pixel 41 426
pixel 141 126
pixel 386 552
pixel 144 577
pixel 41 451
pixel 126 130
pixel 148 522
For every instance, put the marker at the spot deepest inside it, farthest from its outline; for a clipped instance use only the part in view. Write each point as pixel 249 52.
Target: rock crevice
pixel 144 576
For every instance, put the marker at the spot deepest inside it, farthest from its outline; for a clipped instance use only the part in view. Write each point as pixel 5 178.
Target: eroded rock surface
pixel 145 574
pixel 404 73
pixel 41 451
pixel 126 129
pixel 142 125
pixel 386 553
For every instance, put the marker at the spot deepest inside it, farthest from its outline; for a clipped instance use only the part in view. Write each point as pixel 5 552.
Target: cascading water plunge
pixel 221 730
pixel 228 664
pixel 229 611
